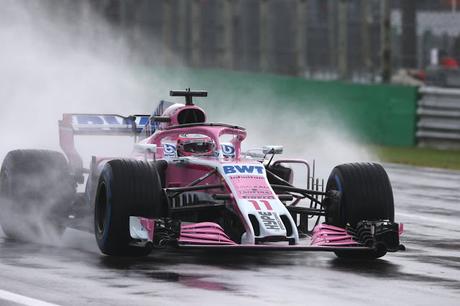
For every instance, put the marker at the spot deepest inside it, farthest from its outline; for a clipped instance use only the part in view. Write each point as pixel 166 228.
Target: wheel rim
pixel 101 209
pixel 333 214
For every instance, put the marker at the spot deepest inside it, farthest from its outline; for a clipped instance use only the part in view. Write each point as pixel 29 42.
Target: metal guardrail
pixel 442 77
pixel 438 114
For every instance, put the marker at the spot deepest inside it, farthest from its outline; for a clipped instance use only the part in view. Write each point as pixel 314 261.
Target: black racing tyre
pixel 126 188
pixel 357 192
pixel 36 191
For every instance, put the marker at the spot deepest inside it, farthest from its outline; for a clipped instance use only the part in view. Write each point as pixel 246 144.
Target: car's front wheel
pixel 126 188
pixel 362 192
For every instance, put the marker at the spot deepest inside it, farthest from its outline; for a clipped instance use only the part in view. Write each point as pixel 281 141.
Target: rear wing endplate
pixel 95 124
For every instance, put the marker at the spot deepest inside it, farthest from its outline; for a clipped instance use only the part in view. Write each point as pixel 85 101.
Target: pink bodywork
pixel 204 233
pixel 177 175
pixel 252 187
pixel 173 128
pixel 328 235
pixel 149 226
pixel 214 132
pixel 207 233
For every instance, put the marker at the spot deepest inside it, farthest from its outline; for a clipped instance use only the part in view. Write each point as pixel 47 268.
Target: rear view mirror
pixel 145 148
pixel 272 149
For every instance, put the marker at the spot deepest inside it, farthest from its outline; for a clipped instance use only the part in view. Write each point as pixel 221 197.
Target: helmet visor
pixel 198 147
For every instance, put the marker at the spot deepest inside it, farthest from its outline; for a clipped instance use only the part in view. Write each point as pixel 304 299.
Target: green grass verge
pixel 448 159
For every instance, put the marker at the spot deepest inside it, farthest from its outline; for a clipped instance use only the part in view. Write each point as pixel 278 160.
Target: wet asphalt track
pixel 427 202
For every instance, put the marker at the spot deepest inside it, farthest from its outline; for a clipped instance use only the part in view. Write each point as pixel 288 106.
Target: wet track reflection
pixel 428 272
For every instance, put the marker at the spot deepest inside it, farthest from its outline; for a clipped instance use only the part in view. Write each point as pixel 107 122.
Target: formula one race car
pixel 188 184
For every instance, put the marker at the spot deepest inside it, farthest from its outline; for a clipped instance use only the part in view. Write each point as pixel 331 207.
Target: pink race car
pixel 188 184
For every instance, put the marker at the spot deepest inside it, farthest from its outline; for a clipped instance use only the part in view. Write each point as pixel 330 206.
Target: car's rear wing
pixel 104 124
pixel 95 124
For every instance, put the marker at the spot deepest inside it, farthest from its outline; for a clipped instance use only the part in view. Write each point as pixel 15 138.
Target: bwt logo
pixel 169 149
pixel 244 169
pixel 108 120
pixel 228 150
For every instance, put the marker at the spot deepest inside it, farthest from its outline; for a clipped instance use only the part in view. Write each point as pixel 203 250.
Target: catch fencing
pixel 362 41
pixel 438 117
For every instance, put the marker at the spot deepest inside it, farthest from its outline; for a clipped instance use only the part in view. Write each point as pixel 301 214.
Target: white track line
pixel 21 299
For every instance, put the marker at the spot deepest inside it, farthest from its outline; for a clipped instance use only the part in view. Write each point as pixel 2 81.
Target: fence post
pixel 385 28
pixel 301 39
pixel 342 50
pixel 228 14
pixel 365 22
pixel 196 33
pixel 263 39
pixel 182 30
pixel 332 37
pixel 409 33
pixel 167 31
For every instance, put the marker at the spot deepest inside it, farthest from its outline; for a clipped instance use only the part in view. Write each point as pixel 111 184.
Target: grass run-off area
pixel 424 157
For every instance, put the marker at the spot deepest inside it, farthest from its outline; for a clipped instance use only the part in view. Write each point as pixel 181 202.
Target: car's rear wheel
pixel 126 188
pixel 36 190
pixel 361 191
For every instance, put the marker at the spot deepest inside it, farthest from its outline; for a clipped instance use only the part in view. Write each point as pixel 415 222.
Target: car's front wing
pixel 366 237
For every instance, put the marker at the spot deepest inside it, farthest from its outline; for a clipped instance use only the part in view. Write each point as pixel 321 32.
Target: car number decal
pixel 271 220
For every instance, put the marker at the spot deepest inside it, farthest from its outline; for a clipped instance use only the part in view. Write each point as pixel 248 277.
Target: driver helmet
pixel 189 145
